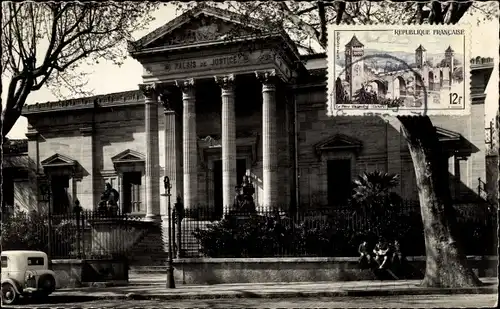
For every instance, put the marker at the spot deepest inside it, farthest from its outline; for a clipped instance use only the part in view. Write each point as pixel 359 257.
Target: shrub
pixel 261 236
pixel 30 230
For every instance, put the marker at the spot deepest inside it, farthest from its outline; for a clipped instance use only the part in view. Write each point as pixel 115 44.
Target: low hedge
pixel 271 236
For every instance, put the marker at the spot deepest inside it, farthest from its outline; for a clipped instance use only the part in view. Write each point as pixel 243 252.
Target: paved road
pixel 427 301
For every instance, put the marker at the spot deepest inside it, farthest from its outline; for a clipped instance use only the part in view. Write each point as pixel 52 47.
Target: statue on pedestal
pixel 243 201
pixel 109 200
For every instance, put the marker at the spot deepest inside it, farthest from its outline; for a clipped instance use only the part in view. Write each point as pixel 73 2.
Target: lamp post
pixel 170 267
pixel 45 190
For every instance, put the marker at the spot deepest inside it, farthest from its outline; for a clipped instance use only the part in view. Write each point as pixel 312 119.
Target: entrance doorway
pixel 339 181
pixel 60 197
pixel 241 169
pixel 131 192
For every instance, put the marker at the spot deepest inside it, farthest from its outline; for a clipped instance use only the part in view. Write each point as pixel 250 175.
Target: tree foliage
pixel 43 44
pixel 374 188
pixel 305 21
pixel 22 230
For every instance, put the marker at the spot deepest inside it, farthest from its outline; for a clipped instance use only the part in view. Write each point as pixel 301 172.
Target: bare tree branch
pixel 69 33
pixel 436 16
pixel 307 10
pixel 322 23
pixel 340 12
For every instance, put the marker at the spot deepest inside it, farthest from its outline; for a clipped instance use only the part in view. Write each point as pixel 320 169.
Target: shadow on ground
pixel 53 299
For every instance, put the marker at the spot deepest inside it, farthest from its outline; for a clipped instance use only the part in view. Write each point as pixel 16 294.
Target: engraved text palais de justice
pixel 201 63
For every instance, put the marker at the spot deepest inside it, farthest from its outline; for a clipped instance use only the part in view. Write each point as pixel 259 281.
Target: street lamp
pixel 170 267
pixel 46 193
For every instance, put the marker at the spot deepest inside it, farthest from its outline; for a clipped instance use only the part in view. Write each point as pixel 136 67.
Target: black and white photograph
pixel 257 154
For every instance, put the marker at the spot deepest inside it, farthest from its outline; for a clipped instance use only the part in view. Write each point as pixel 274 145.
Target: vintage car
pixel 25 273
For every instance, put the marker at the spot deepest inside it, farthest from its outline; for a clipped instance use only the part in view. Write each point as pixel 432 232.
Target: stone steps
pixel 148 250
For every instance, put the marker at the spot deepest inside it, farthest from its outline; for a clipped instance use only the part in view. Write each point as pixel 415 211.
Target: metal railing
pixel 267 232
pixel 333 231
pixel 63 236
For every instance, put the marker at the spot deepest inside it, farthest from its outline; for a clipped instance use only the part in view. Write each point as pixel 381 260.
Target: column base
pixel 152 218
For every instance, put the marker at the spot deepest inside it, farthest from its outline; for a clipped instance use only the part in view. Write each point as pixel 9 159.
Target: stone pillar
pixel 228 141
pixel 86 187
pixel 152 152
pixel 34 166
pixel 189 140
pixel 454 171
pixel 173 153
pixel 121 191
pixel 269 140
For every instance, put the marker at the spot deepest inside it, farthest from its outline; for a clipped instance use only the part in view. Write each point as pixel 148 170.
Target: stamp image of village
pixel 383 70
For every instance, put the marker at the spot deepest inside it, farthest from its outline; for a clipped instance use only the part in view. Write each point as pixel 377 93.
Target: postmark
pixel 393 70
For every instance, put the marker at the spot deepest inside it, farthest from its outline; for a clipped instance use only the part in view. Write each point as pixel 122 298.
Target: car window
pixel 4 261
pixel 35 261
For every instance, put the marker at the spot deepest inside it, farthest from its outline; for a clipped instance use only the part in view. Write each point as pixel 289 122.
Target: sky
pixel 106 77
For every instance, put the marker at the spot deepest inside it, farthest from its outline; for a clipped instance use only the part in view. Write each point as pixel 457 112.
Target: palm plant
pixel 373 189
pixel 372 196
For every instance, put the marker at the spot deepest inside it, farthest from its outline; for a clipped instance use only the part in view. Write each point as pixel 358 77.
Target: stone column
pixel 269 140
pixel 86 187
pixel 121 190
pixel 189 140
pixel 452 170
pixel 228 141
pixel 173 153
pixel 152 152
pixel 34 165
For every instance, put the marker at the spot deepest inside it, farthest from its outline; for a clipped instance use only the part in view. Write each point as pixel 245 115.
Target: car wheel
pixel 9 294
pixel 47 284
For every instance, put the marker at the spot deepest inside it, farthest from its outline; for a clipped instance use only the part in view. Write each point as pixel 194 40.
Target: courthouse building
pixel 223 97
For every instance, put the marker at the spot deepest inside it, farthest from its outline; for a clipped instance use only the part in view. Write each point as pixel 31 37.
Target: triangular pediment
pixel 447 135
pixel 338 142
pixel 58 160
pixel 202 24
pixel 128 156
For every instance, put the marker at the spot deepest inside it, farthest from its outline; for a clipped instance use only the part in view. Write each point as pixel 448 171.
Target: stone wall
pixel 308 269
pixel 383 147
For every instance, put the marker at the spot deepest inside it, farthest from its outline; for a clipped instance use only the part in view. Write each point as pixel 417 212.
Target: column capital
pixel 166 99
pixel 186 85
pixel 150 91
pixel 226 82
pixel 268 78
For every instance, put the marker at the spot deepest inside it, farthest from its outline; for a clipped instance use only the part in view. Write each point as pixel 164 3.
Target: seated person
pixel 382 252
pixel 397 254
pixel 365 259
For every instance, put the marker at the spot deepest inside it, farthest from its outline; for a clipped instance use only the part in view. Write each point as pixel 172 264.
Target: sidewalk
pixel 154 288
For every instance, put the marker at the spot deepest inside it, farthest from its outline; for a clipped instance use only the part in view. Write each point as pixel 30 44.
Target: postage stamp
pixel 396 70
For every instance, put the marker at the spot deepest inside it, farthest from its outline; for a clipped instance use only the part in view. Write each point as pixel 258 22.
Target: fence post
pixel 179 215
pixel 77 210
pixel 46 190
pixel 82 226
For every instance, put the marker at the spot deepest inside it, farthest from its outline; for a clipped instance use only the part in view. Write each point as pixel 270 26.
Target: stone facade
pixel 212 114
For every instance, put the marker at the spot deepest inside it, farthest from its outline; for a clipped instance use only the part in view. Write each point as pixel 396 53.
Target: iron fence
pixel 332 231
pixel 79 234
pixel 267 232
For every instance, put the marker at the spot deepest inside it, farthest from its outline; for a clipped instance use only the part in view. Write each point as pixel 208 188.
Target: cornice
pixel 107 100
pixel 314 78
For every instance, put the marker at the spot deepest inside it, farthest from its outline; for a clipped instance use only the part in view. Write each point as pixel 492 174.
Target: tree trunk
pixel 446 264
